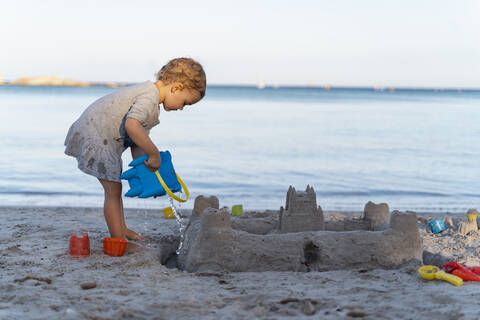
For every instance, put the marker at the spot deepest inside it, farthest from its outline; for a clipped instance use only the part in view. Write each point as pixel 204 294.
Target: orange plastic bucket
pixel 114 246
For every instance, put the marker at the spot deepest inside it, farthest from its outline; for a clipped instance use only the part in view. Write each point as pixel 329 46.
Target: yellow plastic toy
pixel 237 210
pixel 471 216
pixel 168 213
pixel 433 272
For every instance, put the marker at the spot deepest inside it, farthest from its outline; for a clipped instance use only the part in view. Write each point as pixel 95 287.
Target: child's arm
pixel 138 134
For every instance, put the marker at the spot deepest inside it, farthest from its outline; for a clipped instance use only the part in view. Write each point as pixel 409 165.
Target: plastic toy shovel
pixel 432 272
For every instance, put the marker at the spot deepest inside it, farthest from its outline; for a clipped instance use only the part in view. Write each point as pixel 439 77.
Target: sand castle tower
pixel 301 212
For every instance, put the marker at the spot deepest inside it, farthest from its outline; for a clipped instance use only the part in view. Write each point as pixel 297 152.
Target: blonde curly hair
pixel 186 71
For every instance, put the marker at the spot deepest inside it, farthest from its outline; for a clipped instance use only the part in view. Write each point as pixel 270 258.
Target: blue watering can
pixel 145 183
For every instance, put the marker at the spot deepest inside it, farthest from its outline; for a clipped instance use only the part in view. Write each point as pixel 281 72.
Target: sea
pixel 414 149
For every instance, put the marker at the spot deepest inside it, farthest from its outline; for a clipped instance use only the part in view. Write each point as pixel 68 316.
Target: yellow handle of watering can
pixel 170 193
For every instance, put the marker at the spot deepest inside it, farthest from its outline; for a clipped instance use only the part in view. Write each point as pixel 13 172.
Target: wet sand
pixel 34 242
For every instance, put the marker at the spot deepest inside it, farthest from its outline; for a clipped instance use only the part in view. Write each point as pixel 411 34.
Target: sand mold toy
pixel 79 247
pixel 471 216
pixel 237 210
pixel 145 183
pixel 114 247
pixel 433 272
pixel 168 213
pixel 437 225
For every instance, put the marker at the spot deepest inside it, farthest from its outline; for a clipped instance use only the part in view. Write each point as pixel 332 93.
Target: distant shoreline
pixel 60 82
pixel 54 81
pixel 247 86
pixel 86 85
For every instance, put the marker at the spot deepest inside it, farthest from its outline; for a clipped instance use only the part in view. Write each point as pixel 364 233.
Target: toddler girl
pixel 122 120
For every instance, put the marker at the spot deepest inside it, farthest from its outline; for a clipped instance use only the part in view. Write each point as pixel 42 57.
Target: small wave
pixel 469 195
pixel 372 193
pixel 224 185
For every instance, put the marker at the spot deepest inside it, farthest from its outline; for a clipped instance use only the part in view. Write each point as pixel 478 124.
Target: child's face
pixel 177 97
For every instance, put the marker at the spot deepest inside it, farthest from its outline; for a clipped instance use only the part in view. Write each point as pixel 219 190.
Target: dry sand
pixel 34 241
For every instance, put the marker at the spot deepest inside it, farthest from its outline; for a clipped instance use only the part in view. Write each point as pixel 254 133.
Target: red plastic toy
pixel 475 270
pixel 114 246
pixel 462 271
pixel 79 247
pixel 466 274
pixel 449 266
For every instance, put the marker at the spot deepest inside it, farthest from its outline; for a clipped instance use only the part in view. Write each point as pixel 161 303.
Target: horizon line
pixel 261 85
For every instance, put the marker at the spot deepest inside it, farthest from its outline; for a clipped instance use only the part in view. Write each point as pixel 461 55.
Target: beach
pixel 40 280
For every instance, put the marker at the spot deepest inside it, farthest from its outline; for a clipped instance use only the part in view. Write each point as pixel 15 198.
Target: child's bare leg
pixel 113 208
pixel 130 234
pixel 113 211
pixel 136 152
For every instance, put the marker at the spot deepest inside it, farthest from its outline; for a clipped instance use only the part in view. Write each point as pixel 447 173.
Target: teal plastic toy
pixel 145 183
pixel 437 225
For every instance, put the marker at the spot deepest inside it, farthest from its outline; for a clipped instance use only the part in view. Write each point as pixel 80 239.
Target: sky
pixel 408 43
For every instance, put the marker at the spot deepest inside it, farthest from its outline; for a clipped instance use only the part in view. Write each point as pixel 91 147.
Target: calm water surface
pixel 413 149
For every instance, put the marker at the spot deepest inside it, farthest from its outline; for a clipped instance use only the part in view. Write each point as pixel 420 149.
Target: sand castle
pixel 216 241
pixel 465 227
pixel 301 212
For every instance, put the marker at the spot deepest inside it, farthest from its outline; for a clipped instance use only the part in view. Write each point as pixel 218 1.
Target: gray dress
pixel 98 138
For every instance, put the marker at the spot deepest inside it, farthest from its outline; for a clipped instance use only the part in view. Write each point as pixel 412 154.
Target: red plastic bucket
pixel 79 247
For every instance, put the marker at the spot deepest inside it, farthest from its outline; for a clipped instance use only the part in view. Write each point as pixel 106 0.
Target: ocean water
pixel 414 149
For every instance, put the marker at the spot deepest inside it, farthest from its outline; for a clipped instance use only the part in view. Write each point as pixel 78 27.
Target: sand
pixel 39 280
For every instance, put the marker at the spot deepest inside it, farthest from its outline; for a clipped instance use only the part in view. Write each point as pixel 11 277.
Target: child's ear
pixel 177 86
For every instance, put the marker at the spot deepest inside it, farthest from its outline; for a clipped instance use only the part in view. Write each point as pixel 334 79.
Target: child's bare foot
pixel 132 235
pixel 133 247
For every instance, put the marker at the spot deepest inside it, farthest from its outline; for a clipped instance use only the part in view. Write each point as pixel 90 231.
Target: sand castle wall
pixel 211 244
pixel 376 217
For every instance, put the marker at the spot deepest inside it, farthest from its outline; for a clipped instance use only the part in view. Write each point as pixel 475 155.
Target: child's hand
pixel 153 162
